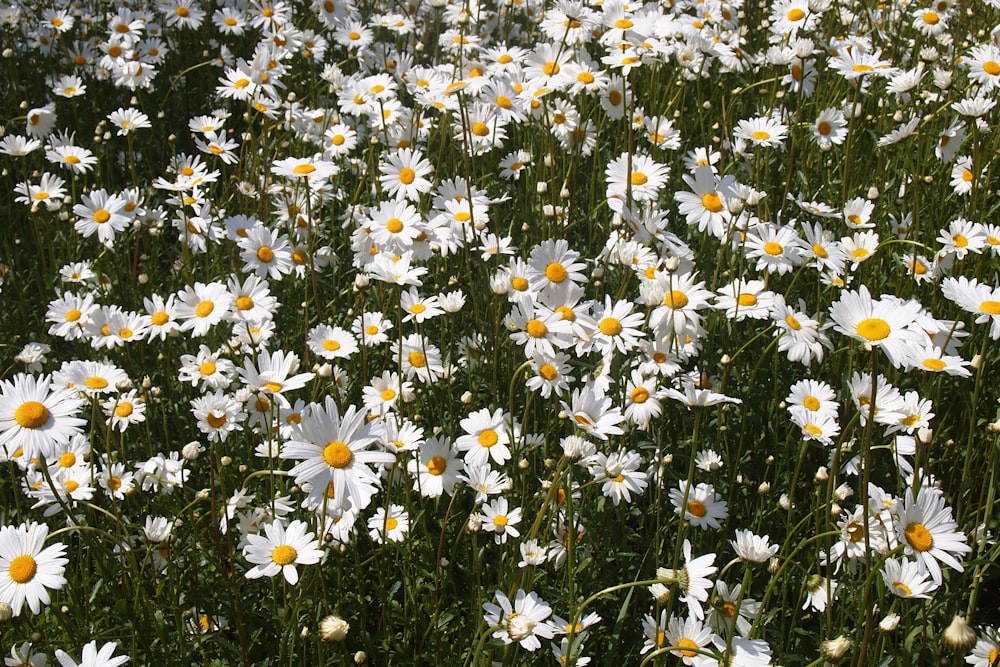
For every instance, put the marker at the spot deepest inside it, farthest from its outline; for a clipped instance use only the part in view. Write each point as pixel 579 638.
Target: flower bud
pixel 333 629
pixel 959 635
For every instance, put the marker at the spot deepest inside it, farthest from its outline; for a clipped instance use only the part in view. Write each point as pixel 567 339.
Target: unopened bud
pixel 835 649
pixel 889 623
pixel 959 635
pixel 333 629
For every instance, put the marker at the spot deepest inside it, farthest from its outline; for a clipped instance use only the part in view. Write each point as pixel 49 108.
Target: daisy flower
pixel 333 450
pixel 983 63
pixel 637 174
pixel 887 323
pixel 620 473
pixel 927 531
pixel 986 652
pixel 36 418
pixel 218 415
pixel 486 437
pixel 94 657
pixel 690 635
pixel 265 253
pixel 331 342
pixel 615 328
pixel 202 306
pixel 754 549
pixel 499 519
pixel 280 549
pixel 702 507
pixel 389 525
pixel 830 128
pixel 437 468
pixel 127 120
pixel 102 214
pixel 979 299
pixel 906 579
pixel 761 131
pixel 776 249
pixel 274 374
pixel 692 579
pixel 124 410
pixel 28 570
pixel 593 413
pixel 523 622
pixel 311 170
pixel 404 174
pixel 745 298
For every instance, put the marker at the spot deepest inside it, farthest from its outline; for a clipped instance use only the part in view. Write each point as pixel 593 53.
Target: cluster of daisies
pixel 609 361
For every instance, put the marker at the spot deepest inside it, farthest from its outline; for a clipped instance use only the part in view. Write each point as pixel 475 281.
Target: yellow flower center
pixel 873 329
pixel 689 649
pixel 67 460
pixel 406 175
pixel 610 326
pixel 182 12
pixel 990 307
pixel 918 537
pixel 991 67
pixel 746 299
pixel 676 299
pixel 697 508
pixel 536 328
pixel 639 178
pixel 239 84
pixel 761 135
pixel 812 430
pixel 273 387
pixel 101 216
pixel 394 225
pixel 548 371
pixel 417 359
pixel 31 414
pixel 520 284
pixel 551 68
pixel 555 272
pixel 337 454
pixel 331 345
pixel 216 421
pixel 934 364
pixel 388 394
pixel 819 251
pixel 931 18
pixel 792 322
pixel 772 248
pixel 967 176
pixel 811 403
pixel 712 202
pixel 488 438
pixel 284 554
pixel 437 465
pixel 114 483
pixel 500 520
pixel 303 169
pixel 861 67
pixel 207 368
pixel 265 254
pixel 796 14
pixel 123 410
pixel 95 382
pixel 903 588
pixel 23 569
pixel 640 395
pixel 245 302
pixel 960 240
pixel 480 129
pixel 204 309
